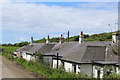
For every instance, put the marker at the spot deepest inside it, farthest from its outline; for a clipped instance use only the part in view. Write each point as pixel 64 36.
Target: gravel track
pixel 9 70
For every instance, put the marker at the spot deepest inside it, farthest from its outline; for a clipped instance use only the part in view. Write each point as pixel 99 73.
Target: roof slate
pixel 37 48
pixel 85 52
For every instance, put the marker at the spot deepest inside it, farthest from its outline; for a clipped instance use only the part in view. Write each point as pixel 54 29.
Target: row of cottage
pixel 94 58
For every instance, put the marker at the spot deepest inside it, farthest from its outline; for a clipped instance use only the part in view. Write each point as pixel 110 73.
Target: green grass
pixel 9 49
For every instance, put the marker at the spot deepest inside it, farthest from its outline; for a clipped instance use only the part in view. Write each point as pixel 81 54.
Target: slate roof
pixel 85 52
pixel 37 48
pixel 105 62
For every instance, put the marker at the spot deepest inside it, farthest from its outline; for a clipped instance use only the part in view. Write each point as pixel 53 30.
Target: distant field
pixel 9 49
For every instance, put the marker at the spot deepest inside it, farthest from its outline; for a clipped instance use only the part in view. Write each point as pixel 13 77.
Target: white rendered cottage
pixel 94 58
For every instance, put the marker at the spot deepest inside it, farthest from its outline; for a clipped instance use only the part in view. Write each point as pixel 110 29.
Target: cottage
pixel 94 58
pixel 28 52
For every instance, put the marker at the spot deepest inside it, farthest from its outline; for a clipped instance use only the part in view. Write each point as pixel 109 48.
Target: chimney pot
pixel 81 37
pixel 115 37
pixel 61 39
pixel 31 41
pixel 48 39
pixel 81 32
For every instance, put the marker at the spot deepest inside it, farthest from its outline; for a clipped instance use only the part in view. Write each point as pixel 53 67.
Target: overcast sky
pixel 21 20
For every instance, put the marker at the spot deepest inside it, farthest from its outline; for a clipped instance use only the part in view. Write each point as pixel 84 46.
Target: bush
pixel 112 76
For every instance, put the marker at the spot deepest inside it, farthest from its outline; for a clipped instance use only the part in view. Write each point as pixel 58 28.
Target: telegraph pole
pixel 68 36
pixel 57 60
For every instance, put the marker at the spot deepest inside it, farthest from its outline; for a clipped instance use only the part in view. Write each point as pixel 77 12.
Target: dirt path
pixel 9 70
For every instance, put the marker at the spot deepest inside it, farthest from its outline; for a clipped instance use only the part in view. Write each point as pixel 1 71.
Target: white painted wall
pixel 117 70
pixel 28 57
pixel 68 67
pixel 78 69
pixel 55 63
pixel 24 55
pixel 95 71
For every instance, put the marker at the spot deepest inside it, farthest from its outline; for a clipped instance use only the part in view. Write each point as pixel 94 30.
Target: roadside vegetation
pixel 113 76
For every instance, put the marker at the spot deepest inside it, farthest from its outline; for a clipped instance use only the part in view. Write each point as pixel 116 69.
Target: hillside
pixel 94 37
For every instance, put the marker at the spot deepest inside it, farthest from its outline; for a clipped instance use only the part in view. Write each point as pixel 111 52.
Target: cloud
pixel 41 18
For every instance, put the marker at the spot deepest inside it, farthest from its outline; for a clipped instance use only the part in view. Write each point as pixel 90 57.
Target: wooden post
pixel 57 60
pixel 68 36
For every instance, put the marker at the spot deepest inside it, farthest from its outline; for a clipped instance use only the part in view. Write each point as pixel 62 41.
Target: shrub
pixel 112 76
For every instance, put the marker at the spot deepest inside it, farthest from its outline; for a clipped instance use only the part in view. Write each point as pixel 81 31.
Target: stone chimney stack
pixel 115 37
pixel 48 39
pixel 81 37
pixel 61 39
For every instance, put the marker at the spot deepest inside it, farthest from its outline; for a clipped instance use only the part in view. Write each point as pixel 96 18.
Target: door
pixel 98 74
pixel 74 68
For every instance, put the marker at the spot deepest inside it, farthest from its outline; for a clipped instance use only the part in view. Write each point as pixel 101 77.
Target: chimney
pixel 48 39
pixel 32 40
pixel 61 39
pixel 81 37
pixel 115 37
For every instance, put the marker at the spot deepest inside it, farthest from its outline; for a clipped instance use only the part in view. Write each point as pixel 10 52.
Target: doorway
pixel 98 73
